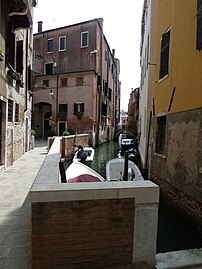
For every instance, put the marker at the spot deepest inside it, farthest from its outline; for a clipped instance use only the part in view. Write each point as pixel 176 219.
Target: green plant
pixel 51 133
pixel 65 133
pixel 33 132
pixel 79 114
pixel 62 115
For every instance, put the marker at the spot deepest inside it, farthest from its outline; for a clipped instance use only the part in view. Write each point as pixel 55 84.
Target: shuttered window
pixel 164 59
pixel 78 107
pixel 19 57
pixel 199 25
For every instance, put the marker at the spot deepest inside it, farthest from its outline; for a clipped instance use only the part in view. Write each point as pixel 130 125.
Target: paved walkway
pixel 15 209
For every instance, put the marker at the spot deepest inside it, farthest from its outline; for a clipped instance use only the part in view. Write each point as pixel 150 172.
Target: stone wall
pixel 181 164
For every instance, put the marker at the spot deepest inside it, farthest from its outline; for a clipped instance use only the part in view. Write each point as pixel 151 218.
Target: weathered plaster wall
pixel 181 164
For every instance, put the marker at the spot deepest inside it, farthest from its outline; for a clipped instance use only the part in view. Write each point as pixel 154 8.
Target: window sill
pixel 163 78
pixel 160 155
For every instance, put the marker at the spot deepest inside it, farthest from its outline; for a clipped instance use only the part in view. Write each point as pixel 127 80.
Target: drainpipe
pixel 125 172
pixel 57 129
pixel 26 71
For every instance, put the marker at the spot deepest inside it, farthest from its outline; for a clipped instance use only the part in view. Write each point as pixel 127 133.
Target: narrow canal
pixel 172 233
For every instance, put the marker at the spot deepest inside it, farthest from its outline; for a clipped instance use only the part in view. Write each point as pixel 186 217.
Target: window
pixel 46 83
pixel 10 110
pixel 199 25
pixel 50 45
pixel 79 81
pixel 160 134
pixel 62 43
pixel 62 112
pixel 63 108
pixel 19 57
pixel 164 60
pixel 49 69
pixel 78 107
pixel 84 39
pixel 63 82
pixel 98 40
pixel 16 112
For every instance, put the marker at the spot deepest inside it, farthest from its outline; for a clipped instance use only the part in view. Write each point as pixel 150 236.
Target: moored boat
pixel 127 143
pixel 88 153
pixel 119 169
pixel 79 172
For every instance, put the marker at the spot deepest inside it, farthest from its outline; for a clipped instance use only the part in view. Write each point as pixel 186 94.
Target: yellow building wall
pixel 185 62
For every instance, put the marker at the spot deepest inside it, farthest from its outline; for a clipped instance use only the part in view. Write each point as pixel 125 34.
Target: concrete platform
pixel 15 210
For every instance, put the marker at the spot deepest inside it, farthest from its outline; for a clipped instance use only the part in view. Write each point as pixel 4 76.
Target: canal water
pixel 172 233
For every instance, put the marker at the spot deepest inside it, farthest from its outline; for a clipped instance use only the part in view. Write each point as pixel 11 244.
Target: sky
pixel 122 29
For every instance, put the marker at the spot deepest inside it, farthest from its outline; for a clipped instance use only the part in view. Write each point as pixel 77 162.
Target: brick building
pixel 15 79
pixel 76 83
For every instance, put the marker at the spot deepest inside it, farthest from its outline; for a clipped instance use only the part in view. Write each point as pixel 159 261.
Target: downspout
pixel 147 149
pixel 26 70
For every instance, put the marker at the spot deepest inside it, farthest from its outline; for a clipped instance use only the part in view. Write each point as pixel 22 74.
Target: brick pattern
pixel 82 234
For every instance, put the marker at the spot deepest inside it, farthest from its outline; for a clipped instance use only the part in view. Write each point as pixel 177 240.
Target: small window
pixel 10 110
pixel 16 112
pixel 63 82
pixel 62 107
pixel 46 83
pixel 79 81
pixel 199 26
pixel 62 43
pixel 49 69
pixel 19 57
pixel 78 107
pixel 98 40
pixel 50 45
pixel 160 134
pixel 164 58
pixel 84 39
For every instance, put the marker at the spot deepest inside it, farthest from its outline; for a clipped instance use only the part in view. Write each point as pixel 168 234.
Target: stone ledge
pixel 191 258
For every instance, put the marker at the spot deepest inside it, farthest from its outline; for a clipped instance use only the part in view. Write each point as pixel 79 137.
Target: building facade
pixel 133 110
pixel 76 85
pixel 175 104
pixel 15 79
pixel 147 64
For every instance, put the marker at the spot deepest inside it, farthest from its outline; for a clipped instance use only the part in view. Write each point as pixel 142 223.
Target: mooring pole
pixel 125 172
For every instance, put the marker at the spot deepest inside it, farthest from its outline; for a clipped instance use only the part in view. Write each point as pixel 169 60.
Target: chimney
pixel 113 53
pixel 40 24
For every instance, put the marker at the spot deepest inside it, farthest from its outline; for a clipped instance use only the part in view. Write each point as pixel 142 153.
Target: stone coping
pixel 143 192
pixel 191 258
pixel 47 186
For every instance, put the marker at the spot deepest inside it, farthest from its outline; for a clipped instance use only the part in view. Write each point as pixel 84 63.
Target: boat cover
pixel 84 178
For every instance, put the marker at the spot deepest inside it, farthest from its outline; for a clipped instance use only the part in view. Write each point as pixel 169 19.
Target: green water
pixel 103 154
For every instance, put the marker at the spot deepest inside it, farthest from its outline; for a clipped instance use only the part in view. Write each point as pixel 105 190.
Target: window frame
pixel 82 40
pixel 78 107
pixel 10 113
pixel 164 55
pixel 79 81
pixel 65 43
pixel 160 134
pixel 17 108
pixel 62 85
pixel 45 68
pixel 49 51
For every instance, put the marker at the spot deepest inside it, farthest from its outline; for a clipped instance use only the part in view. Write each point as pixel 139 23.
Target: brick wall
pixel 83 234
